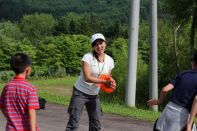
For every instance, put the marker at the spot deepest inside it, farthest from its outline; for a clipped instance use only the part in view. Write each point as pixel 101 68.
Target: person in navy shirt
pixel 183 101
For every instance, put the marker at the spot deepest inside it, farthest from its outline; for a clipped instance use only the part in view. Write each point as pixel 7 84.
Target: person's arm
pixel 32 119
pixel 89 78
pixel 163 94
pixel 192 115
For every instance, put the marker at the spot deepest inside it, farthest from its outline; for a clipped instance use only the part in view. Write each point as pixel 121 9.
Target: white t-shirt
pixel 96 68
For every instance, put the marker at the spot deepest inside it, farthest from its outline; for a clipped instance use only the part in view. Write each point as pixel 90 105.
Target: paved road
pixel 55 117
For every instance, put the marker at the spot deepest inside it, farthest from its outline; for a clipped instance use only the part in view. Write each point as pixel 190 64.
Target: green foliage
pixel 167 67
pixel 7 49
pixel 37 25
pixel 70 51
pixel 11 30
pixel 6 75
pixel 69 24
pixel 144 40
pixel 58 36
pixel 115 10
pixel 118 50
pixel 51 58
pixel 73 23
pixel 60 55
pixel 179 9
pixel 10 46
pixel 76 17
pixel 12 9
pixel 142 85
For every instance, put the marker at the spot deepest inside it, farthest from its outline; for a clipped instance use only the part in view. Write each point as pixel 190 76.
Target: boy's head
pixel 21 63
pixel 194 59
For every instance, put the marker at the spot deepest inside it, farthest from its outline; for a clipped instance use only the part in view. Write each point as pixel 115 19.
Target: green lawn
pixel 59 86
pixel 59 91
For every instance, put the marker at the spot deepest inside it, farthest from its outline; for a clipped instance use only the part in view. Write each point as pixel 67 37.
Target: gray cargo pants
pixel 92 103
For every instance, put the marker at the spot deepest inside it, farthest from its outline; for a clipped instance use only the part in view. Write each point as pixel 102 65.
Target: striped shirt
pixel 18 96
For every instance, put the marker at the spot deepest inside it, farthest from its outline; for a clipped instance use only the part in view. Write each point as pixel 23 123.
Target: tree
pixel 91 23
pixel 61 53
pixel 70 51
pixel 7 49
pixel 12 10
pixel 11 30
pixel 10 46
pixel 117 49
pixel 69 24
pixel 48 57
pixel 183 11
pixel 37 26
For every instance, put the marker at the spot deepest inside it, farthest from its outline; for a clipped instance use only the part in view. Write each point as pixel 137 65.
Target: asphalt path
pixel 55 117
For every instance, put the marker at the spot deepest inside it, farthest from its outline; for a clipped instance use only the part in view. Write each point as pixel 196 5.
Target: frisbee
pixel 103 87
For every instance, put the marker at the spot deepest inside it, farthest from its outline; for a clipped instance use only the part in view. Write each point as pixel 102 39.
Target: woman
pixel 85 90
pixel 183 101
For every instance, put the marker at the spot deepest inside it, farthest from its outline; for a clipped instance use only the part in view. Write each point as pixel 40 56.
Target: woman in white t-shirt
pixel 85 90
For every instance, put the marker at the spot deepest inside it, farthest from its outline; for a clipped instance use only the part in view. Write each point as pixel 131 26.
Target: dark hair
pixel 19 62
pixel 95 55
pixel 94 43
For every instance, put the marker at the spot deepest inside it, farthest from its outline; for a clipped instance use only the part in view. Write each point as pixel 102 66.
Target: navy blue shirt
pixel 185 88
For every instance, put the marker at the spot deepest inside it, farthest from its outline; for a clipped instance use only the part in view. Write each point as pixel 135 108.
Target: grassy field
pixel 58 86
pixel 59 91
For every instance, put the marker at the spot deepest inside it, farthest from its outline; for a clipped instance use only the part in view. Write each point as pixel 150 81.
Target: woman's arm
pixel 163 94
pixel 89 78
pixel 192 115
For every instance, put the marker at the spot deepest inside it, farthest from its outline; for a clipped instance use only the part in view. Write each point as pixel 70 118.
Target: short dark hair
pixel 19 62
pixel 94 43
pixel 194 57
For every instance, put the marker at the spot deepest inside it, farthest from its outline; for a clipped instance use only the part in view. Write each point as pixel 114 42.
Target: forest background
pixel 56 34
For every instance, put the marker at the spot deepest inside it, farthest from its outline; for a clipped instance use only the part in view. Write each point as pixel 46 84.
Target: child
pixel 176 113
pixel 19 101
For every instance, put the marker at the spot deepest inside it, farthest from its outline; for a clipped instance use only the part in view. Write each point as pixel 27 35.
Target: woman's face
pixel 99 46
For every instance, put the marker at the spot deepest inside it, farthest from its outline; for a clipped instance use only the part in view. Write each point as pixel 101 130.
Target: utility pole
pixel 153 79
pixel 132 53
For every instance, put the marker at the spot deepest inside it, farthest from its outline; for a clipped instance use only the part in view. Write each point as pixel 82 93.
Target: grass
pixel 59 91
pixel 110 108
pixel 124 110
pixel 58 86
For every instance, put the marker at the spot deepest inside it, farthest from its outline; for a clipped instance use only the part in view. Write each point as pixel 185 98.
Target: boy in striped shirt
pixel 19 100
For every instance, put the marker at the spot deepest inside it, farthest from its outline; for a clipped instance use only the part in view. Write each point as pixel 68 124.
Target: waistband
pixel 177 107
pixel 87 95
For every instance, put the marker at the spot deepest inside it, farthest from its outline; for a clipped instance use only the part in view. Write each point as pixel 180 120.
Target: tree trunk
pixel 175 29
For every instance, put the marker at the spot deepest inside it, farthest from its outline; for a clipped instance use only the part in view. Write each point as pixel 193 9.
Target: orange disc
pixel 103 87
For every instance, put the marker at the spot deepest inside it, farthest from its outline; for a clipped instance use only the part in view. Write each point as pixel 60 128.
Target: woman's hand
pixel 110 83
pixel 113 84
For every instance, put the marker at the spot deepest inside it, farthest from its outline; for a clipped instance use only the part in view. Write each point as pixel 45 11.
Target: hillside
pixel 106 9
